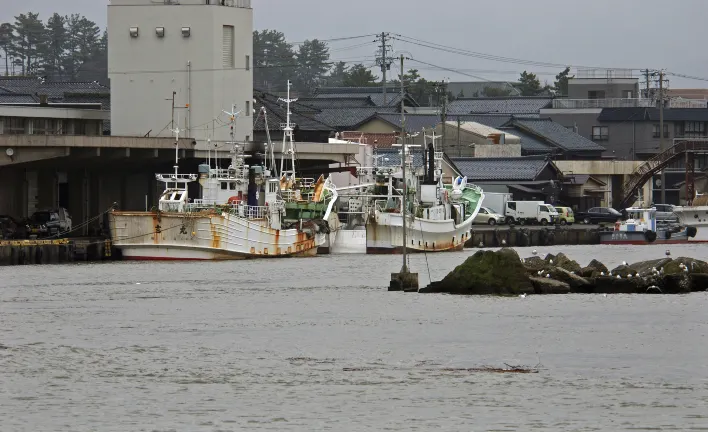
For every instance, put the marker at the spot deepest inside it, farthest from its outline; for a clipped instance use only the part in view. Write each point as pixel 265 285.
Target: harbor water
pixel 319 344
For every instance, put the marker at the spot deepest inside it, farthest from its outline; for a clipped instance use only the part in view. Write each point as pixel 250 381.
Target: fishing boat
pixel 641 227
pixel 439 216
pixel 695 216
pixel 243 212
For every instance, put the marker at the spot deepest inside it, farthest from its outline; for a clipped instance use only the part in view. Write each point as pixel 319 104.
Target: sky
pixel 653 34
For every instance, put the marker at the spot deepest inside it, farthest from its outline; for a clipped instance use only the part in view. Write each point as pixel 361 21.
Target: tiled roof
pixel 530 144
pixel 378 140
pixel 416 122
pixel 558 135
pixel 345 102
pixel 470 88
pixel 501 169
pixel 9 98
pixel 393 95
pixel 56 91
pixel 276 111
pixel 504 105
pixel 348 118
pixel 357 90
pixel 652 114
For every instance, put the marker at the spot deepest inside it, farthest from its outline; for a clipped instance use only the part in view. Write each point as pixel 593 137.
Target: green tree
pixel 29 35
pixel 6 36
pixel 312 59
pixel 337 74
pixel 83 43
pixel 274 60
pixel 461 94
pixel 360 76
pixel 96 67
pixel 496 92
pixel 54 50
pixel 529 84
pixel 561 84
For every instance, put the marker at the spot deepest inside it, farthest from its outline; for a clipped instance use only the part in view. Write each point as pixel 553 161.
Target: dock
pixel 521 236
pixel 60 251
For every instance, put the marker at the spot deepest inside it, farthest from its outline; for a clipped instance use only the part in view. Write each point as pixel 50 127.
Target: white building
pixel 199 49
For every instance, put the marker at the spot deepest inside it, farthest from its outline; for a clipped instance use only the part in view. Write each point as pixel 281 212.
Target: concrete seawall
pixel 27 252
pixel 532 236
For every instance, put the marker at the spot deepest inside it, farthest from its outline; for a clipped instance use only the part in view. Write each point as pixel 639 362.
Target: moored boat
pixel 641 228
pixel 695 216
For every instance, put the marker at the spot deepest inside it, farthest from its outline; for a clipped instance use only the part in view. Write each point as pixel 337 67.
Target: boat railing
pixel 180 178
pixel 242 210
pixel 297 195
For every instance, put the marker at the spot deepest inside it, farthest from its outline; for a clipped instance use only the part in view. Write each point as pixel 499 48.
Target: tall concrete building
pixel 198 52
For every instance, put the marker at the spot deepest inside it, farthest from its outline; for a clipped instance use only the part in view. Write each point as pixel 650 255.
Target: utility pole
pixel 444 114
pixel 384 61
pixel 661 133
pixel 646 77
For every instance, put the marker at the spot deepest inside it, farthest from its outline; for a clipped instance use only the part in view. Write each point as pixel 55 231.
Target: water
pixel 318 344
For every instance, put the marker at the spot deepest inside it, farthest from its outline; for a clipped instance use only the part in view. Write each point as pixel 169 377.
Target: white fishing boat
pixel 695 216
pixel 370 217
pixel 244 212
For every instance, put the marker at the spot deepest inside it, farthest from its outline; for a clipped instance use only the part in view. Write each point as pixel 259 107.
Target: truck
pixel 530 212
pixel 496 201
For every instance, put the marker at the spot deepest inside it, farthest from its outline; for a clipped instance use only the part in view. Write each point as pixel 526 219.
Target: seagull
pixel 604 295
pixel 653 269
pixel 668 252
pixel 523 295
pixel 624 263
pixel 685 269
pixel 551 261
pixel 619 277
pixel 548 275
pixel 540 272
pixel 535 252
pixel 503 242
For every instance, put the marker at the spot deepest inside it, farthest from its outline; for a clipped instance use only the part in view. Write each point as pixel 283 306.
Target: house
pixel 307 127
pixel 527 178
pixel 469 138
pixel 584 191
pixel 375 95
pixel 516 105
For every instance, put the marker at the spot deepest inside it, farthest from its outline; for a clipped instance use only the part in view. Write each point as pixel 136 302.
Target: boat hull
pixel 694 217
pixel 384 234
pixel 203 236
pixel 638 238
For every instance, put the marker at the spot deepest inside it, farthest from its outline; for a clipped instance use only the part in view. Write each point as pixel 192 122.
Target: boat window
pixel 232 185
pixel 223 186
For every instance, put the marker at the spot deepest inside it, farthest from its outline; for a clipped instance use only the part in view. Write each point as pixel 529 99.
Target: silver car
pixel 488 216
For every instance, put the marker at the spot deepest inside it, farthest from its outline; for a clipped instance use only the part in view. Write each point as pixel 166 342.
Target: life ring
pixel 691 231
pixel 650 236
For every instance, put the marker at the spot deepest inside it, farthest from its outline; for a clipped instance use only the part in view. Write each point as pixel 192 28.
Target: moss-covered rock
pixel 578 284
pixel 646 268
pixel 549 286
pixel 691 266
pixel 676 284
pixel 624 271
pixel 487 273
pixel 613 285
pixel 534 264
pixel 594 269
pixel 699 282
pixel 566 263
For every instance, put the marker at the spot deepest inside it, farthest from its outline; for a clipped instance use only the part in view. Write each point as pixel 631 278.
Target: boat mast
pixel 404 269
pixel 271 149
pixel 176 131
pixel 288 135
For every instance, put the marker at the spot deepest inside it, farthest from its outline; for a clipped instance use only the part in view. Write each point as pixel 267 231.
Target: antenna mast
pixel 288 128
pixel 176 132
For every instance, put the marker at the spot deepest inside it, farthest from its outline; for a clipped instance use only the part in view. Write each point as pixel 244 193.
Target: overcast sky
pixel 598 33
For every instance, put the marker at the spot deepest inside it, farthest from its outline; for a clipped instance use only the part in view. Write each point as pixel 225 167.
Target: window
pixel 232 185
pixel 14 126
pixel 695 127
pixel 511 205
pixel 600 133
pixel 248 108
pixel 655 132
pixel 228 47
pixel 600 94
pixel 248 62
pixel 223 186
pixel 79 127
pixel 627 94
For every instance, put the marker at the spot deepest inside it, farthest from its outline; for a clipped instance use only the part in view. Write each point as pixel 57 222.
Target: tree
pixel 529 84
pixel 496 92
pixel 54 50
pixel 461 94
pixel 29 34
pixel 6 36
pixel 312 59
pixel 273 60
pixel 561 84
pixel 96 67
pixel 360 76
pixel 337 74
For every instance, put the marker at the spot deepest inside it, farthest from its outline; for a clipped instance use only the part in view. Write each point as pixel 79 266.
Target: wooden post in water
pixel 404 280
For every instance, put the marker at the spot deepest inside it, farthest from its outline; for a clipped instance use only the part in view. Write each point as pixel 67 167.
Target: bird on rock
pixel 535 252
pixel 668 252
pixel 523 295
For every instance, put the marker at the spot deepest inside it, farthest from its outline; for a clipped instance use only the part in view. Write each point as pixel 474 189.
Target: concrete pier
pixel 29 252
pixel 532 236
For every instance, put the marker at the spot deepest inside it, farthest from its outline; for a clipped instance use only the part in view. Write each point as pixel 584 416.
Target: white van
pixel 530 212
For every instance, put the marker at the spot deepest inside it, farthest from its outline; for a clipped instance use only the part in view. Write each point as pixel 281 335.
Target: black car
pixel 597 215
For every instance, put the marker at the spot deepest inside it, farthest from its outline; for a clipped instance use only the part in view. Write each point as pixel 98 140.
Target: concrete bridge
pixel 87 174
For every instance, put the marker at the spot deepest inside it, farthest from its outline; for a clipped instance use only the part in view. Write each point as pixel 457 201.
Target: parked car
pixel 599 215
pixel 565 215
pixel 11 229
pixel 665 212
pixel 488 216
pixel 48 223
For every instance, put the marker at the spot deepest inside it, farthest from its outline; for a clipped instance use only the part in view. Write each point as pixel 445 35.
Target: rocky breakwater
pixel 504 273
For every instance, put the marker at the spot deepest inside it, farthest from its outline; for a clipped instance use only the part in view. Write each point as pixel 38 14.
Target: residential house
pixel 474 89
pixel 517 105
pixel 307 127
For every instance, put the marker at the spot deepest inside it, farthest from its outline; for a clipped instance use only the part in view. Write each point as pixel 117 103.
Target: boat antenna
pixel 176 131
pixel 271 150
pixel 288 128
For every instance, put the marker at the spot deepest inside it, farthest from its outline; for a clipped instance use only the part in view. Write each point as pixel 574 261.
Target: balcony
pixel 602 103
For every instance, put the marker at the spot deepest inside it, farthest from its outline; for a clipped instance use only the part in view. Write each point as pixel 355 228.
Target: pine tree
pixel 29 35
pixel 273 60
pixel 312 59
pixel 6 36
pixel 54 50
